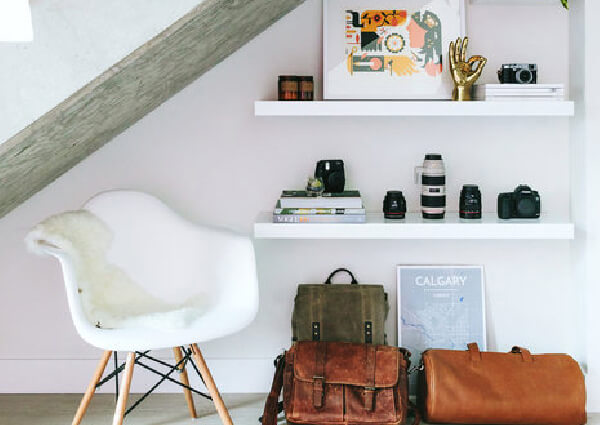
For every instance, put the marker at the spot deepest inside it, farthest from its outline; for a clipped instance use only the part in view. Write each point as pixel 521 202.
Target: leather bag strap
pixel 341 269
pixel 474 352
pixel 370 377
pixel 412 407
pixel 271 406
pixel 525 353
pixel 319 378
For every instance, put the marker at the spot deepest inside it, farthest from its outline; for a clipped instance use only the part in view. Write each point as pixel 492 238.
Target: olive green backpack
pixel 340 313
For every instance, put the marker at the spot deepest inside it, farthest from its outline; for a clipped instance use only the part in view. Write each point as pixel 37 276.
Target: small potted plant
pixel 565 3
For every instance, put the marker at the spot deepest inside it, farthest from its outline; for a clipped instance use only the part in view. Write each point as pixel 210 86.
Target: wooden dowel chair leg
pixel 183 377
pixel 91 389
pixel 210 385
pixel 124 393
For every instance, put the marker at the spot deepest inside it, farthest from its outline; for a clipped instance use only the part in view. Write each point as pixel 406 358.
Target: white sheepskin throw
pixel 110 299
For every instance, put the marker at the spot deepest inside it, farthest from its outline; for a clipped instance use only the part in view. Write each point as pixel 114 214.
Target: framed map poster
pixel 440 307
pixel 389 49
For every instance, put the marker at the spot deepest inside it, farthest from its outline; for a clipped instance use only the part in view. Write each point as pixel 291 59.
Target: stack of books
pixel 519 92
pixel 298 206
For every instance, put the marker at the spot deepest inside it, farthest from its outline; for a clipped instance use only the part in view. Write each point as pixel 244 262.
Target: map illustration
pixel 440 307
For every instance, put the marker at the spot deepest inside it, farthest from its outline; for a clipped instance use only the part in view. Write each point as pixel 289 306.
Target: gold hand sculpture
pixel 463 74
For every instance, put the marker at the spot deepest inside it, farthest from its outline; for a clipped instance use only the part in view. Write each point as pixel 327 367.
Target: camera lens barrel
pixel 432 178
pixel 524 76
pixel 470 202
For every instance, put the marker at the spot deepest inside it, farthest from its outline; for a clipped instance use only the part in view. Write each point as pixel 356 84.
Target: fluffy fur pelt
pixel 110 299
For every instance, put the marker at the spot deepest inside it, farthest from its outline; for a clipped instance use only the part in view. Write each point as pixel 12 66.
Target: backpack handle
pixel 341 269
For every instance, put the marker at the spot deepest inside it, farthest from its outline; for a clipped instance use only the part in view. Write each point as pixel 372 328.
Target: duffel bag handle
pixel 524 352
pixel 341 269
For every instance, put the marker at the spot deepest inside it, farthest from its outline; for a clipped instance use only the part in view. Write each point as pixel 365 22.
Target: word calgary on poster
pixel 440 280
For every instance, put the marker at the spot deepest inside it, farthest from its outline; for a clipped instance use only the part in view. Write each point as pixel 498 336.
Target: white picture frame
pixel 435 273
pixel 411 73
pixel 427 323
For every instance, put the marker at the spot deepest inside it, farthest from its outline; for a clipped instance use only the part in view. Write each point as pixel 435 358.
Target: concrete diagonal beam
pixel 128 91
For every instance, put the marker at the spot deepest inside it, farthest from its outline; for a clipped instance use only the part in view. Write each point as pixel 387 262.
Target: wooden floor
pixel 158 409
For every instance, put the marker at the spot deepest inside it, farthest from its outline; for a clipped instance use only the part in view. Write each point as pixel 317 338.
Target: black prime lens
pixel 394 205
pixel 470 202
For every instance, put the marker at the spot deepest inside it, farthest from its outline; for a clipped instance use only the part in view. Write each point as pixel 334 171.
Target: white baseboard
pixel 72 376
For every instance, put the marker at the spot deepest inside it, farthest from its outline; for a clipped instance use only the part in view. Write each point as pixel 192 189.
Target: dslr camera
pixel 518 73
pixel 522 203
pixel 331 172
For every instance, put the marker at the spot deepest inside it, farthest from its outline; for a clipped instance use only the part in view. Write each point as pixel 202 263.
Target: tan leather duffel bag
pixel 473 387
pixel 335 383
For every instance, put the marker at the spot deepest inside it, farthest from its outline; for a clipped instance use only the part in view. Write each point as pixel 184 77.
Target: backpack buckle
pixel 318 391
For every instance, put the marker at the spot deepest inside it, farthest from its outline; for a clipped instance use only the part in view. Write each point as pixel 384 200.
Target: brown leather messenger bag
pixel 335 383
pixel 473 387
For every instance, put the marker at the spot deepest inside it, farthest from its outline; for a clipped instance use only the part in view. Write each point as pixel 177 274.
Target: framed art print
pixel 389 49
pixel 440 307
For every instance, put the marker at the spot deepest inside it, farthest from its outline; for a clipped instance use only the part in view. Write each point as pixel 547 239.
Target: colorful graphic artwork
pixel 379 41
pixel 389 49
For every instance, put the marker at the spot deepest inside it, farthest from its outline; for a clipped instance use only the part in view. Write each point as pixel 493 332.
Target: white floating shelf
pixel 414 227
pixel 518 2
pixel 366 108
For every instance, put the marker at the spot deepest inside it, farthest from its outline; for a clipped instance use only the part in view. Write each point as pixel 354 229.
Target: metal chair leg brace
pixel 187 357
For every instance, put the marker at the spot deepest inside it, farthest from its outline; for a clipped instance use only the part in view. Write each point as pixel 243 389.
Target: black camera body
pixel 394 205
pixel 518 73
pixel 331 171
pixel 522 203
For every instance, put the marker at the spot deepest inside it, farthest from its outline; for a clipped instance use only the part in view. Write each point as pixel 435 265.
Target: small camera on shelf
pixel 394 205
pixel 522 203
pixel 470 202
pixel 331 172
pixel 518 73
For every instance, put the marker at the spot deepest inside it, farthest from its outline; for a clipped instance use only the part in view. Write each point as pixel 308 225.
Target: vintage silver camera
pixel 518 73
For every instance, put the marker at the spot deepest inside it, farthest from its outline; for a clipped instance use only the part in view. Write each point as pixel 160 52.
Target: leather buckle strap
pixel 319 377
pixel 370 357
pixel 318 391
pixel 370 398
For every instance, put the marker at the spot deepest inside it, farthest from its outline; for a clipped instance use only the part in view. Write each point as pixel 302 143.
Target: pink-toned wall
pixel 206 154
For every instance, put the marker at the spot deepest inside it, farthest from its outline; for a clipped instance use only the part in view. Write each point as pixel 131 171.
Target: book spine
pixel 319 218
pixel 320 211
pixel 326 203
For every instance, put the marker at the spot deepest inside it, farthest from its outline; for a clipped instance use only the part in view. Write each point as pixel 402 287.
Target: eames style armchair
pixel 139 277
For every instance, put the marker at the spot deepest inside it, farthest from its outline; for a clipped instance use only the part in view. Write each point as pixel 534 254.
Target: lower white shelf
pixel 414 227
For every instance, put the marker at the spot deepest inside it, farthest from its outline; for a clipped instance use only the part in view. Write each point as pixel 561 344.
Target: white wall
pixel 206 154
pixel 585 174
pixel 74 42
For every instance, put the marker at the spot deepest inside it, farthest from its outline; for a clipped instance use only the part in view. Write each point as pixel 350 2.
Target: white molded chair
pixel 139 277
